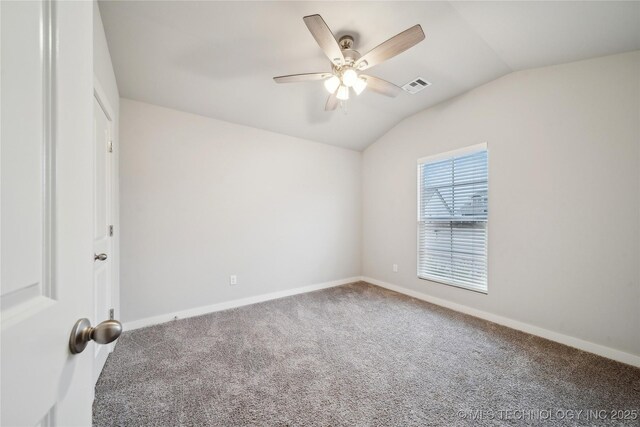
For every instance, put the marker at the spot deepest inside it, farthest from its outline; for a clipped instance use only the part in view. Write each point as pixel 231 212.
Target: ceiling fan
pixel 347 63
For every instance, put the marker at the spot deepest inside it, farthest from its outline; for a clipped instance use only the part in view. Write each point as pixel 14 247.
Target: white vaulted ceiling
pixel 217 59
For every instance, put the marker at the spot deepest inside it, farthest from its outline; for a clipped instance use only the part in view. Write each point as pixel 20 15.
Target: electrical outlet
pixel 233 279
pixel 395 268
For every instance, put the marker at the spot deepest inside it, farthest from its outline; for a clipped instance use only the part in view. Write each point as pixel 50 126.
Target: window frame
pixel 443 156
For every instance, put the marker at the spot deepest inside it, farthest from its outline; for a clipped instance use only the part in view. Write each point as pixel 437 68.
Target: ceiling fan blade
pixel 323 35
pixel 332 102
pixel 392 47
pixel 382 86
pixel 295 78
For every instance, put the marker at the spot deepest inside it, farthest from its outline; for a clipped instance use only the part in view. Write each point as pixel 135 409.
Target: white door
pixel 46 233
pixel 102 228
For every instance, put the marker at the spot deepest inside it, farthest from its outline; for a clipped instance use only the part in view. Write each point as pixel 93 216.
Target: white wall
pixel 106 80
pixel 564 190
pixel 202 199
pixel 102 66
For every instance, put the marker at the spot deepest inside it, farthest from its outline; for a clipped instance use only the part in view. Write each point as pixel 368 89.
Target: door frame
pixel 101 97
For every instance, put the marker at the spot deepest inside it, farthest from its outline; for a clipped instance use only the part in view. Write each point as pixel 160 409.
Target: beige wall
pixel 564 190
pixel 203 199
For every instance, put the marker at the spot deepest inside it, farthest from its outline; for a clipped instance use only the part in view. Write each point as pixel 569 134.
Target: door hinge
pixel 111 231
pixel 111 314
pixel 110 146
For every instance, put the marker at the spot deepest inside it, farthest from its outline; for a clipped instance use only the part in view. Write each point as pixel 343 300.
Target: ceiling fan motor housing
pixel 350 55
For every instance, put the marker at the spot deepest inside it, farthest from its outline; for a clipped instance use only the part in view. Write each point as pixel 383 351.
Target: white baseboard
pixel 590 347
pixel 162 318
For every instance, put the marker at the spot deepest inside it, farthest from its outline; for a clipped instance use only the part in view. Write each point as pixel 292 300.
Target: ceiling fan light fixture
pixel 343 93
pixel 347 63
pixel 359 85
pixel 349 77
pixel 331 84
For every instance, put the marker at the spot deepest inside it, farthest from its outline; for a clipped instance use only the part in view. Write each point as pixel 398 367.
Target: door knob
pixel 82 332
pixel 101 257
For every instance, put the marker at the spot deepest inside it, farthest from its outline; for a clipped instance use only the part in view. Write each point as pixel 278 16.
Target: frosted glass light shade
pixel 359 85
pixel 349 77
pixel 343 93
pixel 331 84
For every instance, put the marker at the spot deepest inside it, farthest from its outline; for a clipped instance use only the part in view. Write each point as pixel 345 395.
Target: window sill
pixel 454 284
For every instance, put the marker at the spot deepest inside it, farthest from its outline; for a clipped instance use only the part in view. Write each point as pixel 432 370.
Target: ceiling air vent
pixel 416 85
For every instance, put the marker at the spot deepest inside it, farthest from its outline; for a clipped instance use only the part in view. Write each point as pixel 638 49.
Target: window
pixel 453 218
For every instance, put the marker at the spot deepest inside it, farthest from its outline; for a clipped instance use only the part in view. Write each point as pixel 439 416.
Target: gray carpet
pixel 355 355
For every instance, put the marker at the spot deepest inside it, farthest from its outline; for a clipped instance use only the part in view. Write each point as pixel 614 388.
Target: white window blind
pixel 453 218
